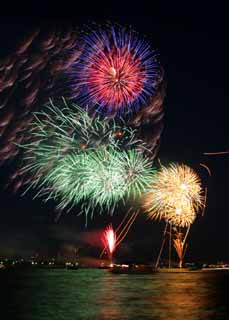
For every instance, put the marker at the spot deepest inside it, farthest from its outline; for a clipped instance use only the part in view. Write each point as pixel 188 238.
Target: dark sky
pixel 193 47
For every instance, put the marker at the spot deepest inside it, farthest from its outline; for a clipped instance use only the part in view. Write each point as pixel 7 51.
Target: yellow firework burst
pixel 182 215
pixel 175 195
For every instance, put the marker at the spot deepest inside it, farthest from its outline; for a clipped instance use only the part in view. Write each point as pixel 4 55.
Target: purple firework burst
pixel 116 72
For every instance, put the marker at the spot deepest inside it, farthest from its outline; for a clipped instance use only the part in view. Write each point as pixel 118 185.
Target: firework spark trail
pixel 207 168
pixel 28 77
pixel 206 188
pixel 216 153
pixel 149 121
pixel 116 71
pixel 125 228
pixel 180 246
pixel 123 220
pixel 205 200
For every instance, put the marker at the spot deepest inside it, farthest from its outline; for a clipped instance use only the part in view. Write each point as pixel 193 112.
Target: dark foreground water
pixel 97 294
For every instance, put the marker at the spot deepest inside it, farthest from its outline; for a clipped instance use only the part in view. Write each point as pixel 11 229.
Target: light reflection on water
pixel 96 294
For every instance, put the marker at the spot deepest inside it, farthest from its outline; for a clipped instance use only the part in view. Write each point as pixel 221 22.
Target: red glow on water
pixel 115 78
pixel 109 239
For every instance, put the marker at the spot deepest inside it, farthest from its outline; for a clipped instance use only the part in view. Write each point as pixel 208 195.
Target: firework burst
pixel 116 70
pixel 181 215
pixel 109 240
pixel 78 160
pixel 175 195
pixel 68 129
pixel 97 179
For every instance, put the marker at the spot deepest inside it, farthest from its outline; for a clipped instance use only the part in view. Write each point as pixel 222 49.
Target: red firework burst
pixel 116 71
pixel 109 240
pixel 115 78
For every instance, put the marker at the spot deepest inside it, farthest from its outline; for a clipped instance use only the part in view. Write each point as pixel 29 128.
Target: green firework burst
pixel 62 130
pixel 82 161
pixel 98 179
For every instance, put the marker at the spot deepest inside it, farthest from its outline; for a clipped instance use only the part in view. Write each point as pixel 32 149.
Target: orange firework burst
pixel 175 195
pixel 182 215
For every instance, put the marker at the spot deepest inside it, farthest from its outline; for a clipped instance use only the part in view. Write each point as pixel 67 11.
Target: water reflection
pixel 187 296
pixel 165 297
pixel 100 295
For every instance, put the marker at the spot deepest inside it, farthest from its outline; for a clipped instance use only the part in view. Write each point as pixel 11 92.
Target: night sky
pixel 194 51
